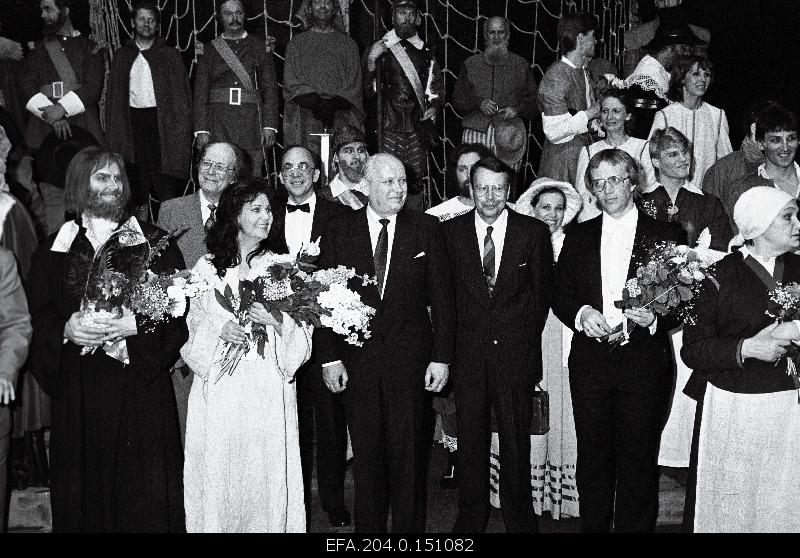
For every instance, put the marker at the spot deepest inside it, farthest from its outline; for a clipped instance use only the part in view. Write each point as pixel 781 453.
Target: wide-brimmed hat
pixel 524 204
pixel 55 155
pixel 510 140
pixel 344 134
pixel 673 33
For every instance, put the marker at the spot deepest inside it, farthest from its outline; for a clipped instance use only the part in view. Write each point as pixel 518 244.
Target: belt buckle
pixel 235 96
pixel 58 89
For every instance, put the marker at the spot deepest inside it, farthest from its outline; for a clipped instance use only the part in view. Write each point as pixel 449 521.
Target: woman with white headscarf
pixel 553 455
pixel 744 469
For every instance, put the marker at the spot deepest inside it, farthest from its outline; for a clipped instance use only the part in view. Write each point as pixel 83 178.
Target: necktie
pixel 302 207
pixel 381 252
pixel 210 220
pixel 488 257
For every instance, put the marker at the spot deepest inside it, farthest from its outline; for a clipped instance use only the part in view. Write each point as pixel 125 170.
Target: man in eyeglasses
pixel 221 164
pixel 502 263
pixel 298 220
pixel 619 393
pixel 149 111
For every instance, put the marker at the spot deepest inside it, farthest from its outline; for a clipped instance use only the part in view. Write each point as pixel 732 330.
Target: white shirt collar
pixel 391 39
pixel 767 263
pixel 568 62
pixel 762 171
pixel 626 222
pixel 499 224
pixel 339 186
pixel 686 186
pixel 244 36
pixel 375 218
pixel 69 230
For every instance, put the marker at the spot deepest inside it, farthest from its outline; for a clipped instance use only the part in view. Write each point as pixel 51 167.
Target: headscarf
pixel 755 210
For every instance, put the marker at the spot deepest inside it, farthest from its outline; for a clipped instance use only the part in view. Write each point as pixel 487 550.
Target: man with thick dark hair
pixel 149 110
pixel 776 134
pixel 62 79
pixel 566 98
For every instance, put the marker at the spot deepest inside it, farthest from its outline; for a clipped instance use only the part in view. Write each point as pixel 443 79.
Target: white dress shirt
pixel 373 220
pixel 205 211
pixel 297 230
pixel 762 172
pixel 498 237
pixel 140 92
pixel 563 127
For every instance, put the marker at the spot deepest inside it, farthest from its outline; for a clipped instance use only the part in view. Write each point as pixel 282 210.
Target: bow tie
pixel 302 207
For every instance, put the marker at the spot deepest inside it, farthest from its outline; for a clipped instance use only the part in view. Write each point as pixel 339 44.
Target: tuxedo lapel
pixel 642 243
pixel 592 259
pixel 364 259
pixel 197 212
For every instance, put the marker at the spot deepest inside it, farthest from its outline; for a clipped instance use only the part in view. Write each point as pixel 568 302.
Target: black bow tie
pixel 302 207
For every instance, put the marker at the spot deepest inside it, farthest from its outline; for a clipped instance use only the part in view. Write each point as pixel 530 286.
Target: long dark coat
pixel 116 460
pixel 173 100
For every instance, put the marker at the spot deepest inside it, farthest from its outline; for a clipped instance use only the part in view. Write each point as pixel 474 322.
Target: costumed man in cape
pixel 402 73
pixel 62 79
pixel 235 91
pixel 322 83
pixel 149 112
pixel 115 446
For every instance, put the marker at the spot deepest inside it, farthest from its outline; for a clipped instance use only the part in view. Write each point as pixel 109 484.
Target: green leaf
pixel 685 293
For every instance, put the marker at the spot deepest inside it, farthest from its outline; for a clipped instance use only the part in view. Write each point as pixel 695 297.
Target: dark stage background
pixel 754 44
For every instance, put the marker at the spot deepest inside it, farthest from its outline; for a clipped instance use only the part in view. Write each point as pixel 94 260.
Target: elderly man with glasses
pixel 221 164
pixel 619 393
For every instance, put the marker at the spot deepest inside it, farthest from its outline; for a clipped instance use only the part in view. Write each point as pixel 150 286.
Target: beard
pixel 405 30
pixel 323 22
pixel 352 174
pixel 463 188
pixel 496 53
pixel 52 28
pixel 107 207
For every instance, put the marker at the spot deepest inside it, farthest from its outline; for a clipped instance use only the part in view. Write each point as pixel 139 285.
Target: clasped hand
pixel 107 329
pixel 769 344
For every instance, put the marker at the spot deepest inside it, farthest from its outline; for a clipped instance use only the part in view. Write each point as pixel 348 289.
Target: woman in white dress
pixel 553 455
pixel 242 456
pixel 705 125
pixel 615 118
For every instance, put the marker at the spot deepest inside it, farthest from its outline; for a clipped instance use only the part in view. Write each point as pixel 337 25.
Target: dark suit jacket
pixel 503 329
pixel 184 215
pixel 405 338
pixel 323 211
pixel 579 282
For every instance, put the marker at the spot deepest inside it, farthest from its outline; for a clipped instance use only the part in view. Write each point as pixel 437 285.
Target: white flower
pixel 177 307
pixel 633 287
pixel 698 275
pixel 311 249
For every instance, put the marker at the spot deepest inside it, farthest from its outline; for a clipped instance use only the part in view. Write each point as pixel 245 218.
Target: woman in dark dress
pixel 674 198
pixel 115 446
pixel 747 433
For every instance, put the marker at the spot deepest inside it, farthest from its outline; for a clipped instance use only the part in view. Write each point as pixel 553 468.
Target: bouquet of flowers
pixel 785 307
pixel 110 293
pixel 293 287
pixel 667 283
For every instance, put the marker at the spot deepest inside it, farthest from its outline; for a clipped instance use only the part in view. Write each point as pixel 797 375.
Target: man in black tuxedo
pixel 504 265
pixel 384 381
pixel 298 220
pixel 619 394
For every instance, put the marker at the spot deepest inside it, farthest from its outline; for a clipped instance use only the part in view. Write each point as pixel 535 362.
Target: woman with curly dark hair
pixel 242 455
pixel 705 125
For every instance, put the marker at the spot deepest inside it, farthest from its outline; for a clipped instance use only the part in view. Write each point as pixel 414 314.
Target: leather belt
pixel 233 96
pixel 56 90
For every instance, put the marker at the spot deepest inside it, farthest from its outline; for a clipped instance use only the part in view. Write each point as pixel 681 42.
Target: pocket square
pixel 419 255
pixel 523 264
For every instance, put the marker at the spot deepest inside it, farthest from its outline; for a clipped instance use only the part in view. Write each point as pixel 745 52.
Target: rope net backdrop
pixel 453 28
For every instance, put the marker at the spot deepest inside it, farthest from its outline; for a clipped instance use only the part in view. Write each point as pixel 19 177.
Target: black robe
pixel 695 213
pixel 116 459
